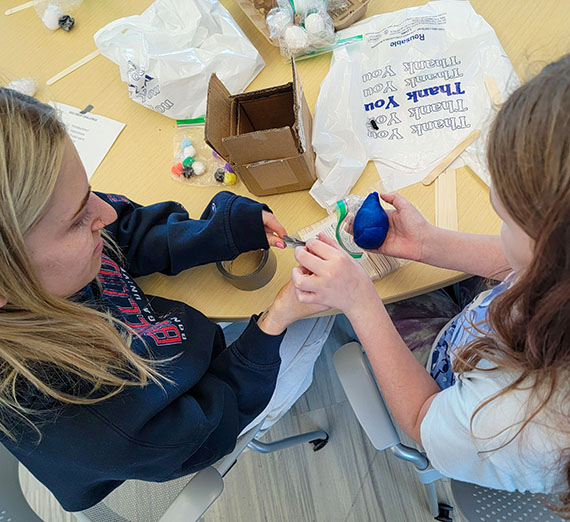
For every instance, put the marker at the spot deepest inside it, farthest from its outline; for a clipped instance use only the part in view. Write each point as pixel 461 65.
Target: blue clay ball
pixel 370 223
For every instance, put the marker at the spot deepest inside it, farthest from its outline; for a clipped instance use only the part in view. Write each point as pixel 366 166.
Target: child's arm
pixel 471 253
pixel 163 238
pixel 328 276
pixel 411 236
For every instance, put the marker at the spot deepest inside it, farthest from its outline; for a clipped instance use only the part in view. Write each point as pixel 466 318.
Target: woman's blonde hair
pixel 529 160
pixel 50 347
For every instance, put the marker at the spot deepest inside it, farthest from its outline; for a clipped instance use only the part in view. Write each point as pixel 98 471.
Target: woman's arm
pixel 411 236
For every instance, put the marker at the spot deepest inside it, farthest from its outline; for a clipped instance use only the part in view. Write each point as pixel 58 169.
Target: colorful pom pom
pixel 189 151
pixel 199 168
pixel 219 175
pixel 230 178
pixel 177 169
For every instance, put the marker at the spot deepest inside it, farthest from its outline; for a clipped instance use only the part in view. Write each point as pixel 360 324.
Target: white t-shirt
pixel 528 463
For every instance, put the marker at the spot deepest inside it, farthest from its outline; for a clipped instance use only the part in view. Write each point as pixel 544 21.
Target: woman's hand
pixel 285 310
pixel 408 230
pixel 329 276
pixel 272 227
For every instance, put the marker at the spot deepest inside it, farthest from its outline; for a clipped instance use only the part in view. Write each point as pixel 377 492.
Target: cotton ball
pixel 189 151
pixel 23 85
pixel 296 38
pixel 315 24
pixel 51 16
pixel 278 20
pixel 199 168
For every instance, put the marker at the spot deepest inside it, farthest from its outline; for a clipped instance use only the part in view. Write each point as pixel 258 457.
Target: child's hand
pixel 272 227
pixel 408 229
pixel 329 276
pixel 285 310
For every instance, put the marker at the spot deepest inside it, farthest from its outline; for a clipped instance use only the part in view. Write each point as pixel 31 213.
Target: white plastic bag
pixel 167 54
pixel 405 96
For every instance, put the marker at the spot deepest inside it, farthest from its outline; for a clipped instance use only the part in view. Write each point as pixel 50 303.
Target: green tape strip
pixel 341 212
pixel 200 120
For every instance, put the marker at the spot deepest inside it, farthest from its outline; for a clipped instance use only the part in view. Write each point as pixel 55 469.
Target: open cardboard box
pixel 256 11
pixel 265 135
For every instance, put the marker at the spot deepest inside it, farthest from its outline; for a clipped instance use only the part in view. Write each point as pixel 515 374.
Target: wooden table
pixel 138 165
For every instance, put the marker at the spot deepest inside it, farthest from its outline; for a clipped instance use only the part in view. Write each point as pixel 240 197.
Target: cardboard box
pixel 265 135
pixel 256 11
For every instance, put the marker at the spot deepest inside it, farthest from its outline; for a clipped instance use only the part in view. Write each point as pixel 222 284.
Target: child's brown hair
pixel 528 154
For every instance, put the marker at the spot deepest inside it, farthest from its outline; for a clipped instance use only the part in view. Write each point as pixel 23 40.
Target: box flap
pixel 298 127
pixel 218 115
pixel 263 145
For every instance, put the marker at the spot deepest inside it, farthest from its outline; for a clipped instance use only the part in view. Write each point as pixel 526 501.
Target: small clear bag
pixel 194 162
pixel 346 210
pixel 56 14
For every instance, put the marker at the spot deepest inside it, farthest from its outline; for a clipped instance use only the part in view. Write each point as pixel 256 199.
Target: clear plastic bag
pixel 57 13
pixel 336 6
pixel 167 54
pixel 300 26
pixel 278 19
pixel 194 162
pixel 346 210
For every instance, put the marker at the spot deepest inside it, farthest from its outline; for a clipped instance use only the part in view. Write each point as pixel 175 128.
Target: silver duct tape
pixel 256 279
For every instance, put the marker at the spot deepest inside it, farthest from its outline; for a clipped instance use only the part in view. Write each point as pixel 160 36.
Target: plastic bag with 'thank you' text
pixel 407 95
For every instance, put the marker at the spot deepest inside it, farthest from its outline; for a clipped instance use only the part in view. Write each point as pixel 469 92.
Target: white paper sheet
pixel 92 134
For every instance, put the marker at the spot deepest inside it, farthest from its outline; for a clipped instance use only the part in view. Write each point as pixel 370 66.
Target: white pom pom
pixel 199 168
pixel 315 24
pixel 23 85
pixel 189 151
pixel 51 16
pixel 296 38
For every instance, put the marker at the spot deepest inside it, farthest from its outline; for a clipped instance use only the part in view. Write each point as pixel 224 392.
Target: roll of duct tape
pixel 259 276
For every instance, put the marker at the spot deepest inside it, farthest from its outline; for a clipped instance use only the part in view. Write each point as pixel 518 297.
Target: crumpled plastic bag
pixel 167 54
pixel 412 90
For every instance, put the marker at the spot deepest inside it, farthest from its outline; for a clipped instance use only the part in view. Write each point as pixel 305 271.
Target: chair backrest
pixel 479 504
pixel 13 505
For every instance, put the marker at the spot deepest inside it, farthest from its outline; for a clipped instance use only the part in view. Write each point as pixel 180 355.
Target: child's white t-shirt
pixel 528 463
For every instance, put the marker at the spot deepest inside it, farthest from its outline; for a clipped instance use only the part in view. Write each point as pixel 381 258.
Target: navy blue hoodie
pixel 149 433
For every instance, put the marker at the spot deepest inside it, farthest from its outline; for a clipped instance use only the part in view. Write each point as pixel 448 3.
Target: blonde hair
pixel 529 161
pixel 50 347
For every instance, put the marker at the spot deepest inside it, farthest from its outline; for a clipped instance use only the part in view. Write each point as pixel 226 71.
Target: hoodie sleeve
pixel 163 238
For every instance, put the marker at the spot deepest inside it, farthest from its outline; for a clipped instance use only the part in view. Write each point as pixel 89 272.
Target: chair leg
pixel 317 438
pixel 432 499
pixel 427 475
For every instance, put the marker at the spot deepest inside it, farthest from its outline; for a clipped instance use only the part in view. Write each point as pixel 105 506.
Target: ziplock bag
pixel 406 95
pixel 167 54
pixel 194 162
